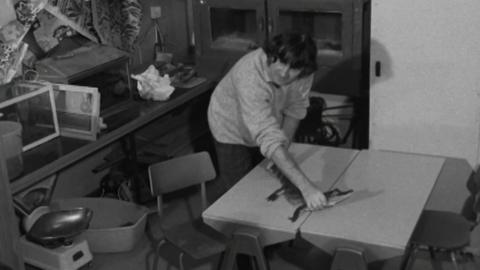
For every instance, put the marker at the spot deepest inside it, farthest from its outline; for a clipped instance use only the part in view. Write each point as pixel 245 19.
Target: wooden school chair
pixel 194 238
pixel 443 231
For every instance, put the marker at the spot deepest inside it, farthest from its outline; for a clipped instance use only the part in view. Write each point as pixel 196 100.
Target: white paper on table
pixel 153 86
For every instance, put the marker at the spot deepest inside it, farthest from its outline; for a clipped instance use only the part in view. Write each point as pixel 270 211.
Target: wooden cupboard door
pixel 227 26
pixel 329 22
pixel 424 82
pixel 225 30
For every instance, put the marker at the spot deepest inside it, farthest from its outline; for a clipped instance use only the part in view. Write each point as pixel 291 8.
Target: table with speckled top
pixel 390 192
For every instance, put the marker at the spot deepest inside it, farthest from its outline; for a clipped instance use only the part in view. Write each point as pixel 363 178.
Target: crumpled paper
pixel 152 86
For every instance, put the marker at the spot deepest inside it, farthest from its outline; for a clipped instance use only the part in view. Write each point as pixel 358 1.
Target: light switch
pixel 155 12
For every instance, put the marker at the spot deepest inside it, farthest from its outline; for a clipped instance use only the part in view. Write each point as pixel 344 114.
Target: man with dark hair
pixel 256 108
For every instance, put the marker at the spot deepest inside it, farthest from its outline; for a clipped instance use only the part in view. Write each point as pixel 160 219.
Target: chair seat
pixel 196 239
pixel 441 229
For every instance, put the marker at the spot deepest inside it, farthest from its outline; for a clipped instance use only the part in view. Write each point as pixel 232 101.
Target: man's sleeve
pixel 255 101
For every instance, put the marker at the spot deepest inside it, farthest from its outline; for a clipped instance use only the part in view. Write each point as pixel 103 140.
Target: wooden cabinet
pixel 228 27
pixel 424 92
pixel 225 30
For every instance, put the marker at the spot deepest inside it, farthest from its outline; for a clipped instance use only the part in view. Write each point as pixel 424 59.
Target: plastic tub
pixel 116 225
pixel 11 135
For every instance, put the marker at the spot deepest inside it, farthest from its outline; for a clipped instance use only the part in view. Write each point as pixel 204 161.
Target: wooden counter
pixel 55 155
pixel 61 152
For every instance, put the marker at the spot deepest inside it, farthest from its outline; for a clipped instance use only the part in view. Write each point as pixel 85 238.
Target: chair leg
pixel 253 263
pixel 454 260
pixel 409 257
pixel 432 252
pixel 259 262
pixel 245 242
pixel 249 243
pixel 230 256
pixel 180 261
pixel 156 255
pixel 220 261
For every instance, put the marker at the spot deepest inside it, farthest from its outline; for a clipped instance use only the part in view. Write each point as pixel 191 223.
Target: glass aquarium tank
pixel 32 106
pixel 78 110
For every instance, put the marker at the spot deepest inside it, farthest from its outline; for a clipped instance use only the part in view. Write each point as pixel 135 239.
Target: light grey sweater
pixel 247 109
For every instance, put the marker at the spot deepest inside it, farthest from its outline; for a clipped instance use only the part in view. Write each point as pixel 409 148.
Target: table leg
pixel 408 257
pixel 348 258
pixel 130 149
pixel 245 242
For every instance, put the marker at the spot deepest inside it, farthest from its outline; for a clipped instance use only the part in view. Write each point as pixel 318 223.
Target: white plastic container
pixel 11 136
pixel 116 225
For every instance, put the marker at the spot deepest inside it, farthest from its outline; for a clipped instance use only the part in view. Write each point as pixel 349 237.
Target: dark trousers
pixel 234 161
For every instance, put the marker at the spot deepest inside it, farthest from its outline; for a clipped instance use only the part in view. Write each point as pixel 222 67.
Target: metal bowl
pixel 59 227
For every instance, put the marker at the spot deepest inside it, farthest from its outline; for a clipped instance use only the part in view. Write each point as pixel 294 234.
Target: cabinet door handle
pixel 378 68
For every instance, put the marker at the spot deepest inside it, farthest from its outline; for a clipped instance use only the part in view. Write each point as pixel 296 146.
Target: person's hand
pixel 314 198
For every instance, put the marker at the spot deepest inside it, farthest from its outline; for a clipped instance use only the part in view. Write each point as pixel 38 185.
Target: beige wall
pixel 427 99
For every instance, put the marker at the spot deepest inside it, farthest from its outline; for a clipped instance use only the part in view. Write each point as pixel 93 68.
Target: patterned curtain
pixel 63 18
pixel 117 22
pixel 17 17
pixel 112 22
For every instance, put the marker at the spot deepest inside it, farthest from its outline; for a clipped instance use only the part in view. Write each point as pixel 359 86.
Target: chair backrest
pixel 179 173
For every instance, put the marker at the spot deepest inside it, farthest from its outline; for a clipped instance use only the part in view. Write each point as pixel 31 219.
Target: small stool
pixel 245 242
pixel 348 259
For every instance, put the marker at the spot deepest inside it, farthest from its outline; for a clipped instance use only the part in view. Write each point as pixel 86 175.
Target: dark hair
pixel 297 50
